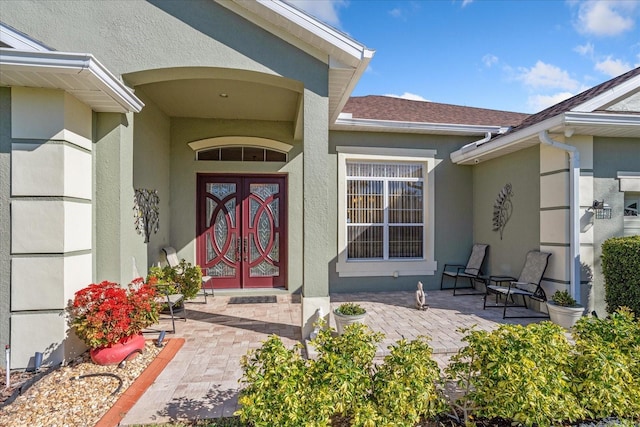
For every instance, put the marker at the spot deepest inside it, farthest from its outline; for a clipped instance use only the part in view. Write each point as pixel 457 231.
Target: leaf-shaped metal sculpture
pixel 502 209
pixel 146 211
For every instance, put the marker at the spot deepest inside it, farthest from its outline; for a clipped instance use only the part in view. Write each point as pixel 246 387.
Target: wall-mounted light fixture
pixel 601 209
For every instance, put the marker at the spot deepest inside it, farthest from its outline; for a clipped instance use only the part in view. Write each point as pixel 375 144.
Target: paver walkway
pixel 202 380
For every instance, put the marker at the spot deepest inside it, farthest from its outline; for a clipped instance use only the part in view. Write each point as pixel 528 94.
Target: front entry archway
pixel 241 230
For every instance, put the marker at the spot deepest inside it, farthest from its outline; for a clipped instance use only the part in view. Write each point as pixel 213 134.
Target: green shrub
pixel 517 373
pixel 621 269
pixel 350 309
pixel 405 387
pixel 563 299
pixel 185 279
pixel 276 385
pixel 341 375
pixel 341 384
pixel 607 367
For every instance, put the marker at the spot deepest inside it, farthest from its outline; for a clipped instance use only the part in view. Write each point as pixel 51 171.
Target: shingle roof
pixel 397 109
pixel 569 104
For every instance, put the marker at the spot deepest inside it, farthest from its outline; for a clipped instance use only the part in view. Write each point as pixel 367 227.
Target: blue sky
pixel 501 54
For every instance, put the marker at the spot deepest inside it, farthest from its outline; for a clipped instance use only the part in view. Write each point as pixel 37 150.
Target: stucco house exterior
pixel 269 175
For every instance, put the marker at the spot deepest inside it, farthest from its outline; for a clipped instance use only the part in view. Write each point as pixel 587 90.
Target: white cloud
pixel 540 102
pixel 612 67
pixel 606 17
pixel 396 13
pixel 466 2
pixel 489 60
pixel 409 96
pixel 547 75
pixel 585 50
pixel 326 10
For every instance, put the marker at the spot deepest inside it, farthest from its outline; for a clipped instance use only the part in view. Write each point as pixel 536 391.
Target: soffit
pixel 201 98
pixel 76 73
pixel 593 124
pixel 347 59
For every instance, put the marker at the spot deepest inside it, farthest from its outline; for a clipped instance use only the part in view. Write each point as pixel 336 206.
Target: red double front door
pixel 241 237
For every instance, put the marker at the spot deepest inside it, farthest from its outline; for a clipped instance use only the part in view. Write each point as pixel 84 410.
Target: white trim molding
pixel 390 268
pixel 629 181
pixel 80 74
pixel 239 141
pixel 17 40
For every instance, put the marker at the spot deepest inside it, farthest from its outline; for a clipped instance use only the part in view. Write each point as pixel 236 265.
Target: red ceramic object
pixel 117 352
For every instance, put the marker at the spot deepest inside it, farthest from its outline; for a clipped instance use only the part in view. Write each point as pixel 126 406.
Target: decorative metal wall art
pixel 502 209
pixel 146 211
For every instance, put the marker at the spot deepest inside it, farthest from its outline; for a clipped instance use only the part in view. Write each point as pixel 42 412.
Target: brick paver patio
pixel 202 380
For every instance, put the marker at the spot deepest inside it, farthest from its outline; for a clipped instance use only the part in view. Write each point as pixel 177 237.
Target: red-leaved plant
pixel 105 313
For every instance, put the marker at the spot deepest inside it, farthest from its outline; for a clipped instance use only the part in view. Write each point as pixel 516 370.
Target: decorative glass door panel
pixel 241 230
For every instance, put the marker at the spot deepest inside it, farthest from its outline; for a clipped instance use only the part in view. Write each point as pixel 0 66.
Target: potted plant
pixel 348 313
pixel 185 279
pixel 564 310
pixel 110 318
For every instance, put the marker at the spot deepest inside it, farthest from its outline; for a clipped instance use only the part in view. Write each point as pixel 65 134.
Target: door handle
pixel 238 249
pixel 245 248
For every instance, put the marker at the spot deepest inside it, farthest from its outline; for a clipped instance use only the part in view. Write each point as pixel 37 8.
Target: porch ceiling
pixel 223 99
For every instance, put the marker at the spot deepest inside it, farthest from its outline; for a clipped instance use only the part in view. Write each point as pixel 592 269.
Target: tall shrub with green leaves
pixel 517 373
pixel 405 386
pixel 606 373
pixel 341 374
pixel 621 269
pixel 275 386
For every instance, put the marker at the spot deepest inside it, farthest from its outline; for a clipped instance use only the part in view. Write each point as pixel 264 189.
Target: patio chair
pixel 471 271
pixel 527 285
pixel 175 305
pixel 171 301
pixel 173 261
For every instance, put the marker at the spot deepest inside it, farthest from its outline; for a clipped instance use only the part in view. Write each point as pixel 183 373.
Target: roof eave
pixel 565 120
pixel 469 157
pixel 84 67
pixel 372 125
pixel 367 55
pixel 315 37
pixel 610 97
pixel 18 40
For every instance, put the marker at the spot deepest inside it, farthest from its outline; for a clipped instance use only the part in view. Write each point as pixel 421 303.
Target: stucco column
pixel 51 246
pixel 316 224
pixel 118 245
pixel 5 218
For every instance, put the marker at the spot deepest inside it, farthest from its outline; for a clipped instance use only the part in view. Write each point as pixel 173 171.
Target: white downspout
pixel 574 209
pixel 473 145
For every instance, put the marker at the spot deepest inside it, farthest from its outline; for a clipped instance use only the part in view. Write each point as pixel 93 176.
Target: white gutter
pixel 83 66
pixel 473 145
pixel 574 209
pixel 343 122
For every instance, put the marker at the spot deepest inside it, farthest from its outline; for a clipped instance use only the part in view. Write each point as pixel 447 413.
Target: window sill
pixel 386 268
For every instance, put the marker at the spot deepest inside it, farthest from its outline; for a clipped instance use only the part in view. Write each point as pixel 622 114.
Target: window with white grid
pixel 385 210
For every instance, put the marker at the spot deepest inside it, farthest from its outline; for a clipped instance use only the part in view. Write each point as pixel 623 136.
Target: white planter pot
pixel 564 316
pixel 343 320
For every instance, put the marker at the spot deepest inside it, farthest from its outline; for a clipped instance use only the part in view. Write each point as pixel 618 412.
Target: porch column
pixel 316 223
pixel 5 216
pixel 51 246
pixel 555 221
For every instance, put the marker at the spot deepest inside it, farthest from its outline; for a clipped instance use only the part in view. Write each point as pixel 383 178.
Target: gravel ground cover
pixel 63 398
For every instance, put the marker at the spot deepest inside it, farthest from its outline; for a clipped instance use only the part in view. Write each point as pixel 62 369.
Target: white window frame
pixel 390 267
